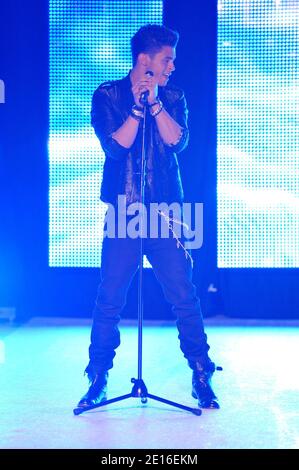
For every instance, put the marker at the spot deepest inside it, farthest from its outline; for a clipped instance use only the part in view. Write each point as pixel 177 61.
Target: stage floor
pixel 42 364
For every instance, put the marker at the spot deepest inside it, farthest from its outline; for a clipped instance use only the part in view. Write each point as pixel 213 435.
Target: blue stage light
pixel 258 134
pixel 89 44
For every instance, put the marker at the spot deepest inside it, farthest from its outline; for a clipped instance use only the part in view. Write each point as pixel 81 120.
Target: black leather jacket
pixel 111 105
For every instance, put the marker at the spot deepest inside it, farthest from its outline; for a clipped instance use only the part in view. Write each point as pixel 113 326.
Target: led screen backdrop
pixel 257 151
pixel 258 138
pixel 89 44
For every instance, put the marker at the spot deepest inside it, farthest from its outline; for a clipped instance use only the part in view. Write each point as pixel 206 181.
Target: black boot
pixel 201 384
pixel 97 391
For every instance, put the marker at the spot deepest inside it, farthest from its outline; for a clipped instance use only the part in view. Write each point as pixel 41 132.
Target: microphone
pixel 144 95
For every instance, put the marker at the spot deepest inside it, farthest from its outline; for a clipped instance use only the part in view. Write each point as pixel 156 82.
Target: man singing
pixel 117 118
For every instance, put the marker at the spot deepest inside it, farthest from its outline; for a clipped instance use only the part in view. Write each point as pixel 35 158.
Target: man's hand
pixel 146 83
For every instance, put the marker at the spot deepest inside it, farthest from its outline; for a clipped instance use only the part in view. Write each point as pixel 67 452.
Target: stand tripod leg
pixel 82 409
pixel 139 390
pixel 195 411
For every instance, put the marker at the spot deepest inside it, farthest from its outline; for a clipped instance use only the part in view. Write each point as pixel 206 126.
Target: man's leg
pixel 120 258
pixel 174 272
pixel 118 266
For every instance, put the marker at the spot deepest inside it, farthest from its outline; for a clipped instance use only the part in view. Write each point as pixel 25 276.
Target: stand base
pixel 139 390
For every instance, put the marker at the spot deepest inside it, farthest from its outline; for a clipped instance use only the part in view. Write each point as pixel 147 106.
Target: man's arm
pixel 127 133
pixel 173 129
pixel 169 129
pixel 116 136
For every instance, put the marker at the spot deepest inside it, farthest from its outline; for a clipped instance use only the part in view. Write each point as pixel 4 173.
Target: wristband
pixel 158 111
pixel 137 108
pixel 137 113
pixel 134 116
pixel 156 102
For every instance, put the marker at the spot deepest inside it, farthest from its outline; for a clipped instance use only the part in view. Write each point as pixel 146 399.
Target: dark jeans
pixel 120 260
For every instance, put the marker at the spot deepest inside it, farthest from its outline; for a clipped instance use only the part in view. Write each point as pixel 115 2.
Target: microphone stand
pixel 139 389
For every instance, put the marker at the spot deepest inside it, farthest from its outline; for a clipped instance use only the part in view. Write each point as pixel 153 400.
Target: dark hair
pixel 151 38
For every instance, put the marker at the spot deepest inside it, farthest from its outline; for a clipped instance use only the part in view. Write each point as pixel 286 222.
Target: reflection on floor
pixel 41 380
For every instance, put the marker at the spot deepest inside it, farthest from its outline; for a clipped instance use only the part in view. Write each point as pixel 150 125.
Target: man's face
pixel 162 64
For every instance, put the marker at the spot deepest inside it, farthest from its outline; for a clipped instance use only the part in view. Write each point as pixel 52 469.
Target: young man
pixel 117 117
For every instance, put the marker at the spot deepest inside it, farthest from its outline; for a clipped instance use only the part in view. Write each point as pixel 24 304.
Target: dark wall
pixel 196 72
pixel 26 280
pixel 24 171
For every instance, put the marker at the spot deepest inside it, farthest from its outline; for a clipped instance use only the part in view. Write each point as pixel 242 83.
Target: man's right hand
pixel 145 84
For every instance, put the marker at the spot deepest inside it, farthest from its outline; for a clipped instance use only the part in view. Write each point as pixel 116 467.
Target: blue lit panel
pixel 258 137
pixel 89 44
